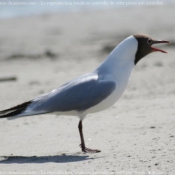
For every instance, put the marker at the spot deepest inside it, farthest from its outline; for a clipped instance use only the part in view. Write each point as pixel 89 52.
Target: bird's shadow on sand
pixel 43 159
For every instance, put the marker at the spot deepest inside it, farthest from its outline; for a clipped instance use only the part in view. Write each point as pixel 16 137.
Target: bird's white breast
pixel 118 66
pixel 121 83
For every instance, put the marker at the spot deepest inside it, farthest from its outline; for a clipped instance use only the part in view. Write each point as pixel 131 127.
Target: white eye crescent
pixel 149 41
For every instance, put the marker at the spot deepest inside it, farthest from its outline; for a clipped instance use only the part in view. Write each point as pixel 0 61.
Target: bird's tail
pixel 15 111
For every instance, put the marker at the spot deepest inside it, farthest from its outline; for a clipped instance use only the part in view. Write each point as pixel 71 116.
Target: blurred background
pixel 43 44
pixel 28 8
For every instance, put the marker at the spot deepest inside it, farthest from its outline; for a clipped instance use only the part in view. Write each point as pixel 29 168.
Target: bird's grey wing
pixel 78 95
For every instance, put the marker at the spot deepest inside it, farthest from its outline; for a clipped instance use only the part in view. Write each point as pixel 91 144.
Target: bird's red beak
pixel 158 42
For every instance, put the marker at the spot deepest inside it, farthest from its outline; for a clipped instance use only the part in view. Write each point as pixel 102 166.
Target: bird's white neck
pixel 121 59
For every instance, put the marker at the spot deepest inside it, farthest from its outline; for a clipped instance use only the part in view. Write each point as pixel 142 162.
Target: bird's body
pixel 90 93
pixel 112 75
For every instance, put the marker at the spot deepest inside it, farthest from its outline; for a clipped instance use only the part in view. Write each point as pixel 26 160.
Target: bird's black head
pixel 145 46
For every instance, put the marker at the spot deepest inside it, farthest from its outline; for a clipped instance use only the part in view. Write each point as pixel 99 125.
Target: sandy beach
pixel 136 135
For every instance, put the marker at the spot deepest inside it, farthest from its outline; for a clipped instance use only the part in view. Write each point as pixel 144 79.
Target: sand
pixel 136 135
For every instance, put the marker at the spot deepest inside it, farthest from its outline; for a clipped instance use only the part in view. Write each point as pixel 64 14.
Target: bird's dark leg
pixel 82 145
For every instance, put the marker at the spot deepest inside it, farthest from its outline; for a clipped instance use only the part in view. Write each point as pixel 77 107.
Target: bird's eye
pixel 149 41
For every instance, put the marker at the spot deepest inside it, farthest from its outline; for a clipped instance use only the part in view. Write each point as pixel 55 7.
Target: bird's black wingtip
pixel 14 111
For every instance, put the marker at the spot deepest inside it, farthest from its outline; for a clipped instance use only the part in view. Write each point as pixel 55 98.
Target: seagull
pixel 92 92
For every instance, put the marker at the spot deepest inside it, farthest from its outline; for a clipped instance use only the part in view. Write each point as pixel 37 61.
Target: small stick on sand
pixel 8 78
